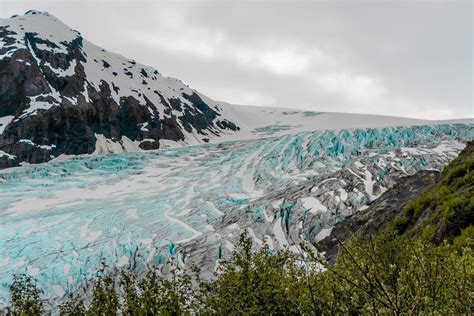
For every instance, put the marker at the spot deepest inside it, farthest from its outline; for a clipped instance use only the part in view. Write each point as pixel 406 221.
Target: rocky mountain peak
pixel 61 94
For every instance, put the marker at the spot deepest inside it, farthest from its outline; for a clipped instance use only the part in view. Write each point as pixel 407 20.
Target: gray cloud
pixel 396 58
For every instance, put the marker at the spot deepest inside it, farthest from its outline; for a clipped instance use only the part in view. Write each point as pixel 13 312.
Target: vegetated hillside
pixel 446 210
pixel 401 268
pixel 427 204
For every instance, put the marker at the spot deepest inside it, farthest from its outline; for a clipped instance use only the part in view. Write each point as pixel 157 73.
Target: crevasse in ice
pixel 60 220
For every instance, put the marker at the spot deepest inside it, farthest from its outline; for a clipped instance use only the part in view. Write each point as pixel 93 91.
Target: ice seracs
pixel 136 209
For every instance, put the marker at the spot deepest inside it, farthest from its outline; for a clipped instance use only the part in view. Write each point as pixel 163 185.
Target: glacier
pixel 62 220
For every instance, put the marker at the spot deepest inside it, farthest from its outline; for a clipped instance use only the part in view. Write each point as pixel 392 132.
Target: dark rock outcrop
pixel 382 211
pixel 51 100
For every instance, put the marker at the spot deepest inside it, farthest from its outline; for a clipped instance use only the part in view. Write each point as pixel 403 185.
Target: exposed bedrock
pixel 379 213
pixel 58 91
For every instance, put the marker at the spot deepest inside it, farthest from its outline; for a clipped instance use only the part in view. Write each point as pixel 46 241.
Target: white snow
pixel 33 271
pixel 4 262
pixel 314 205
pixel 36 105
pixel 64 72
pixel 146 241
pixel 48 147
pixel 323 234
pixel 251 118
pixel 233 226
pixel 89 235
pixel 254 237
pixel 213 207
pixel 85 93
pixel 4 121
pixel 105 145
pixel 279 233
pixel 21 61
pixel 369 183
pixel 343 194
pixel 228 245
pixel 123 261
pixel 209 228
pixel 277 203
pixel 66 268
pixel 143 127
pixel 132 213
pixel 27 141
pixel 195 232
pixel 447 147
pixel 58 290
pixel 31 143
pixel 2 153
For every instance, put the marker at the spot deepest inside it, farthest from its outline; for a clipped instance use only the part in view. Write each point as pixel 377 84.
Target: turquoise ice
pixel 60 220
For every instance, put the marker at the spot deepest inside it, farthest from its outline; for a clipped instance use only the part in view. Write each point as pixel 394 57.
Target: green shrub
pixel 262 283
pixel 25 296
pixel 405 276
pixel 389 274
pixel 465 239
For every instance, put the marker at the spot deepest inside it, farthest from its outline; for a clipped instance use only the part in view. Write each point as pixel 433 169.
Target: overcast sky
pixel 404 58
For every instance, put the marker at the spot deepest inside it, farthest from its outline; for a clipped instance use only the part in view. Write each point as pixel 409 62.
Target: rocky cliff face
pixel 58 92
pixel 437 206
pixel 382 211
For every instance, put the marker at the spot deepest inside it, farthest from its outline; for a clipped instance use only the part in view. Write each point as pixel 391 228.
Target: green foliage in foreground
pixel 399 275
pixel 387 275
pixel 25 296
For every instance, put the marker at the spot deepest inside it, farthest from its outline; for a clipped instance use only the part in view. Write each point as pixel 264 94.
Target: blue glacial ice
pixel 60 220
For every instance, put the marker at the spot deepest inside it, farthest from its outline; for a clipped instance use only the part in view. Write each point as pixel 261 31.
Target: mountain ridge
pixel 60 90
pixel 63 95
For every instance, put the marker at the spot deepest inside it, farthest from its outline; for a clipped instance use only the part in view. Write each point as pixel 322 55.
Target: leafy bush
pixel 465 239
pixel 151 295
pixel 388 275
pixel 262 283
pixel 398 275
pixel 25 296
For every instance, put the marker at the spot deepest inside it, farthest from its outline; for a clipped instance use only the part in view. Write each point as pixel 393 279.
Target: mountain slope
pixel 62 95
pixel 60 91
